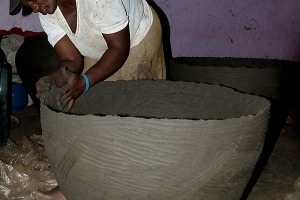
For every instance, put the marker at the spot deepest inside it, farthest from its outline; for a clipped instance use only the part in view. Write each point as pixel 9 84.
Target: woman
pixel 113 40
pixel 97 40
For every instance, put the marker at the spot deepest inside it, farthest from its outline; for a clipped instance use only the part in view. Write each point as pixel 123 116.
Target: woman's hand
pixel 60 76
pixel 48 93
pixel 43 86
pixel 75 86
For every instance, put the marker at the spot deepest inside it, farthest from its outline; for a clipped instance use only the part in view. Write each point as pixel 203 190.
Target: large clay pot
pixel 159 140
pixel 276 80
pixel 273 79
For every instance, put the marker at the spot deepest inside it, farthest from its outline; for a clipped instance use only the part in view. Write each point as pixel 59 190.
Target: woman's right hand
pixel 43 86
pixel 48 93
pixel 75 86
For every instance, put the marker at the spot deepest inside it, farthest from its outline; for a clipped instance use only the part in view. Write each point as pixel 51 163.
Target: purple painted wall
pixel 206 28
pixel 255 29
pixel 26 23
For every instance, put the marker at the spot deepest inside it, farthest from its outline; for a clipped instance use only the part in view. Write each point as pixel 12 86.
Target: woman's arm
pixel 113 59
pixel 69 57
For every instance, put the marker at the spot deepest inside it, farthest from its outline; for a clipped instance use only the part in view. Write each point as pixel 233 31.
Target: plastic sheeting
pixel 24 169
pixel 10 45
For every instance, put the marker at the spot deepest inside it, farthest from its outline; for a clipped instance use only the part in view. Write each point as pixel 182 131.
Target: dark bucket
pixel 19 97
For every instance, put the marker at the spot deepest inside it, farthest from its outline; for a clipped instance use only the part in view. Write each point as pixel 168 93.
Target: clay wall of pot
pixel 162 140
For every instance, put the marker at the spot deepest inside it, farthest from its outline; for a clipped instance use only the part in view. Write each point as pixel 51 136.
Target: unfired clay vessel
pixel 161 140
pixel 272 79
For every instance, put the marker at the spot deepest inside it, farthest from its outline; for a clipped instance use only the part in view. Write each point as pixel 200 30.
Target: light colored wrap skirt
pixel 145 61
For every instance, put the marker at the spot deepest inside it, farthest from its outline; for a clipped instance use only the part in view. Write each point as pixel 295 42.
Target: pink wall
pixel 26 23
pixel 255 29
pixel 206 28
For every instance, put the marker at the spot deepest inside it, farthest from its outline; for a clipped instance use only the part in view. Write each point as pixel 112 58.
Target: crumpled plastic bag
pixel 10 45
pixel 24 169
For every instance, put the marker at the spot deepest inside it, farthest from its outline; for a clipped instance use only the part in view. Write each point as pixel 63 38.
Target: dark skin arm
pixel 68 57
pixel 113 59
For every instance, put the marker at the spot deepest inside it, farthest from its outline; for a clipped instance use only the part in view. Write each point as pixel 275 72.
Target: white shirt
pixel 95 17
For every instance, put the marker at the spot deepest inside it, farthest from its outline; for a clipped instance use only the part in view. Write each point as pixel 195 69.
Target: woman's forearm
pixel 71 65
pixel 111 61
pixel 114 57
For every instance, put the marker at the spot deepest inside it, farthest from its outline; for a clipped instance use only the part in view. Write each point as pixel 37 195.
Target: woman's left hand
pixel 75 86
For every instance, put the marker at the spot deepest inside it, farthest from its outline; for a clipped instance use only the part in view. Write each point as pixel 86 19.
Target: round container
pixel 159 140
pixel 19 97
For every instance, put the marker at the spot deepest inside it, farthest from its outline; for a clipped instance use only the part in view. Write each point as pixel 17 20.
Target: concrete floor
pixel 29 124
pixel 275 183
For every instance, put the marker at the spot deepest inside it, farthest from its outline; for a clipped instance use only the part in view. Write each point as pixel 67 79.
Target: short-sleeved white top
pixel 95 17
